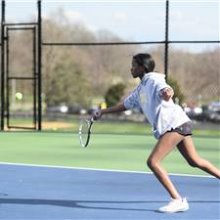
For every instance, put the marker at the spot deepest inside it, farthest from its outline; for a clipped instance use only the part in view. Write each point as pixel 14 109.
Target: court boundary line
pixel 98 169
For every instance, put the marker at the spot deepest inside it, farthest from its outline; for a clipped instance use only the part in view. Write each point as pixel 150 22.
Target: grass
pixel 71 124
pixel 106 151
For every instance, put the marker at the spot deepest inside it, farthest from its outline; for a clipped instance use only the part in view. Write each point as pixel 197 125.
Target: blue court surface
pixel 40 192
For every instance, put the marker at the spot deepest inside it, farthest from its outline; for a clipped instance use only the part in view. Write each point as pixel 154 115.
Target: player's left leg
pixel 188 150
pixel 166 144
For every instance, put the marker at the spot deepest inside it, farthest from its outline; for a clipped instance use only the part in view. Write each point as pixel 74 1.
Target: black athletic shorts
pixel 184 129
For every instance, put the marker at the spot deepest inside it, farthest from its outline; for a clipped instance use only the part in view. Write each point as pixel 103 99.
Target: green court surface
pixel 105 151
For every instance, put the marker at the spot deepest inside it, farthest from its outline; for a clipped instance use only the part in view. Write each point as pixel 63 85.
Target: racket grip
pixel 96 115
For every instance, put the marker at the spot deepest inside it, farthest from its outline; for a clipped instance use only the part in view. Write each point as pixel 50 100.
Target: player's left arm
pixel 166 93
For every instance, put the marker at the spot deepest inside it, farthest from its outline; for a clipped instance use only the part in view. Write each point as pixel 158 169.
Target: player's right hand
pixel 97 114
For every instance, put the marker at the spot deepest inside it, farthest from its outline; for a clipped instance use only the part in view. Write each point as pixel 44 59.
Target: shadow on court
pixel 79 204
pixel 35 192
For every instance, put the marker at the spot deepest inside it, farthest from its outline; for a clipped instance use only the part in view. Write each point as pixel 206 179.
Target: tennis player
pixel 171 126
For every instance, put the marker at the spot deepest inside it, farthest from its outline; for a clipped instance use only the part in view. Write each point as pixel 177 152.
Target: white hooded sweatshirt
pixel 162 115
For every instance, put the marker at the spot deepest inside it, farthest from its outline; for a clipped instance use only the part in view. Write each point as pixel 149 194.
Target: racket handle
pixel 96 114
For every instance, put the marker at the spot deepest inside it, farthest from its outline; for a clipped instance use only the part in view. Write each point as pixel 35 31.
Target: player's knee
pixel 193 163
pixel 151 163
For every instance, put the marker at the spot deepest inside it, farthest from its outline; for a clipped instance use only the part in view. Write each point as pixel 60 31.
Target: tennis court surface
pixel 40 192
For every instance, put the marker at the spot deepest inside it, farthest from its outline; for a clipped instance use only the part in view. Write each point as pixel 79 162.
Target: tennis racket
pixel 85 131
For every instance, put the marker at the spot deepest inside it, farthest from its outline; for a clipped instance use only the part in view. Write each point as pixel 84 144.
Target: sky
pixel 133 20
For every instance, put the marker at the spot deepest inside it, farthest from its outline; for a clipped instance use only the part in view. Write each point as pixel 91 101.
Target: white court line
pixel 96 169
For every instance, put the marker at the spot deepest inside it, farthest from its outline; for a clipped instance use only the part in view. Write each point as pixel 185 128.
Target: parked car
pixel 211 112
pixel 195 113
pixel 57 109
pixel 76 109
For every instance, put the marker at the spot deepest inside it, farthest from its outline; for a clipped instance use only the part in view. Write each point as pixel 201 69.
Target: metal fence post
pixel 2 67
pixel 166 55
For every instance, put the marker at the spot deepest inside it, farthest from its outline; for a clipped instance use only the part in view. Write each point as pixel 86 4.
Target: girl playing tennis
pixel 171 126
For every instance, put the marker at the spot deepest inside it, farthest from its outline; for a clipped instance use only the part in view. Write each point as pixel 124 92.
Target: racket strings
pixel 84 132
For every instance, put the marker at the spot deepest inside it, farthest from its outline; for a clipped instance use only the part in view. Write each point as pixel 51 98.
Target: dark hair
pixel 145 59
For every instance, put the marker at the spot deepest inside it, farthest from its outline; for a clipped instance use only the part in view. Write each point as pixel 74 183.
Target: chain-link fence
pixel 65 69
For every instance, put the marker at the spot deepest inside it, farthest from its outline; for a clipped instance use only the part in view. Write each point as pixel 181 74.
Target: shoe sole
pixel 181 210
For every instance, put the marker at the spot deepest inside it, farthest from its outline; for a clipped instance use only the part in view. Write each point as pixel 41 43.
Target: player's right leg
pixel 188 150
